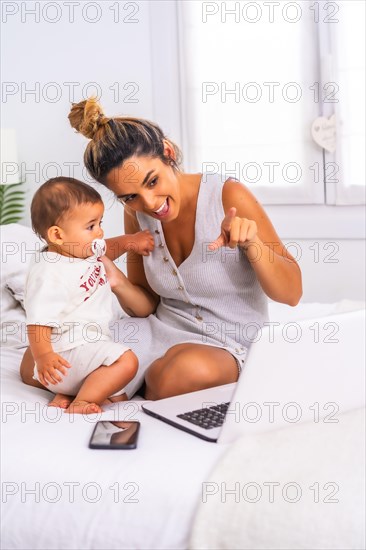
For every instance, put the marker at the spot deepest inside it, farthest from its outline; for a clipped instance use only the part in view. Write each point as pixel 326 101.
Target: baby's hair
pixel 114 140
pixel 57 197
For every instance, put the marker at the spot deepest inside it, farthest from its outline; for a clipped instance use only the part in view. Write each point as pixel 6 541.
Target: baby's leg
pixel 26 370
pixel 103 382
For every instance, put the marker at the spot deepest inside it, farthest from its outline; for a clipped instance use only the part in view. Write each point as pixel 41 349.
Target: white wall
pixel 325 242
pixel 332 269
pixel 37 53
pixel 117 49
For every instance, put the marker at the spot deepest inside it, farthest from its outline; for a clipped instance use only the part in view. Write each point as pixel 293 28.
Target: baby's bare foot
pixel 61 400
pixel 83 407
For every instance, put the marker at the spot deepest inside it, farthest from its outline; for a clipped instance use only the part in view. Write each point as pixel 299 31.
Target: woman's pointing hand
pixel 235 231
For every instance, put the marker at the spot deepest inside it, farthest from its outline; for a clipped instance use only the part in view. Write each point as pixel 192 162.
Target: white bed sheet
pixel 57 493
pixel 148 496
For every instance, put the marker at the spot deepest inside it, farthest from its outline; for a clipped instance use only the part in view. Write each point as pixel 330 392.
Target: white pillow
pixel 12 327
pixel 18 245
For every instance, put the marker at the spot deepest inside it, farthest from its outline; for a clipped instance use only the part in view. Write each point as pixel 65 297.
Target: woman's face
pixel 147 185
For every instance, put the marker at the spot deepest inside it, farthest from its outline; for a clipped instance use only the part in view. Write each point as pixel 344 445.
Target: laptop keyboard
pixel 207 418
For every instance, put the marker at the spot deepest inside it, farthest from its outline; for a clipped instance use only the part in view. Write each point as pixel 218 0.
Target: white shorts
pixel 85 359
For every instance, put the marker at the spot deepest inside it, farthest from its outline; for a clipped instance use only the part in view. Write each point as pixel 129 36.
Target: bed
pixel 57 493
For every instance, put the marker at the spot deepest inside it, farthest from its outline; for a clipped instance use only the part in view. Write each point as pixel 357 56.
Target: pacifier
pixel 99 247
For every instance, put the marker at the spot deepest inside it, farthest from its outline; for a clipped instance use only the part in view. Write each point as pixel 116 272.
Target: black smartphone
pixel 114 435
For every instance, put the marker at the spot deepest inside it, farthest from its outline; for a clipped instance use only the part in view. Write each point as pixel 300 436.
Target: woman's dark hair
pixel 56 198
pixel 114 140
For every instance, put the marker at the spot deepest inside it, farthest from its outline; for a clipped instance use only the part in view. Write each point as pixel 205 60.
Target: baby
pixel 68 300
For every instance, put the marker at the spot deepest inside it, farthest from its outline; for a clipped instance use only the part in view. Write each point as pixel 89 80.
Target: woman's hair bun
pixel 87 117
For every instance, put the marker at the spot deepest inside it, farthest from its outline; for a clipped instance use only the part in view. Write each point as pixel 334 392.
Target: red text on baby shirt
pixel 92 279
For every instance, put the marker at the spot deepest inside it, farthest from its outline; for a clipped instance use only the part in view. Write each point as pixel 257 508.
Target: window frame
pixel 336 193
pixel 309 221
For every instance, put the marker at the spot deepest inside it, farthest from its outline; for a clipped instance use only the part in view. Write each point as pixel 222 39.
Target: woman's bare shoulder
pixel 235 193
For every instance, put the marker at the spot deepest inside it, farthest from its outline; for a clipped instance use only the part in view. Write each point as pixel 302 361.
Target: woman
pixel 201 294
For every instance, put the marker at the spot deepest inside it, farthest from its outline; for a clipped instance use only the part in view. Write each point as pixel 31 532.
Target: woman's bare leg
pixel 189 367
pixel 116 399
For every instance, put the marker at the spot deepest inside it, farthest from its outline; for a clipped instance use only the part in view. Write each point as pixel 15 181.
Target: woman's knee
pixel 185 369
pixel 202 363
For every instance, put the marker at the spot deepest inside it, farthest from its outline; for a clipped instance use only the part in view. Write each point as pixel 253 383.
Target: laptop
pixel 309 370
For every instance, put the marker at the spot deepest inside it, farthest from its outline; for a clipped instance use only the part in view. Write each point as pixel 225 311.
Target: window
pixel 255 78
pixel 347 49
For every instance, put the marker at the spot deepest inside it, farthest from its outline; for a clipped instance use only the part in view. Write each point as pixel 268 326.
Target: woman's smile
pixel 163 210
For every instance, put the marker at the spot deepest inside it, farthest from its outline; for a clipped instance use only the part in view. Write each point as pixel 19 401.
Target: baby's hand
pixel 141 242
pixel 114 275
pixel 49 365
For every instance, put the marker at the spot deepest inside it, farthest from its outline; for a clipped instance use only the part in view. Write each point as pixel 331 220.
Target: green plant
pixel 12 199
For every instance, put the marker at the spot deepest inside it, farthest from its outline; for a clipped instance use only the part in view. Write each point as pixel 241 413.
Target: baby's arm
pixel 141 242
pixel 49 363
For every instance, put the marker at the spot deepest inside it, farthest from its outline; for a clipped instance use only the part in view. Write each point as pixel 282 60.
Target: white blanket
pixel 143 498
pixel 299 487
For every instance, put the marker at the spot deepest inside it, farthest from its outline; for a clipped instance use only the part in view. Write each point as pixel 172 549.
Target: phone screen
pixel 114 435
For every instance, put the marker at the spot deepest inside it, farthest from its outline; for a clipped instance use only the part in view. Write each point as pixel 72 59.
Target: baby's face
pixel 79 228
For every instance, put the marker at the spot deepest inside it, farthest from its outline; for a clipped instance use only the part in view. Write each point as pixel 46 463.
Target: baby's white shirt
pixel 71 295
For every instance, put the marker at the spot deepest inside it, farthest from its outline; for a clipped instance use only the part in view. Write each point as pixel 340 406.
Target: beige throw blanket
pixel 299 487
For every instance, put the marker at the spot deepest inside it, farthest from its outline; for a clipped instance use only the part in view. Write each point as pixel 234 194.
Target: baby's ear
pixel 55 235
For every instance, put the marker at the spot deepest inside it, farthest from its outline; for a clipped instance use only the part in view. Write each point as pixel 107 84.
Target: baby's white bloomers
pixel 85 359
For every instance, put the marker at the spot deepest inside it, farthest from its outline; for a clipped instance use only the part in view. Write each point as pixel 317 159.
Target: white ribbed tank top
pixel 212 298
